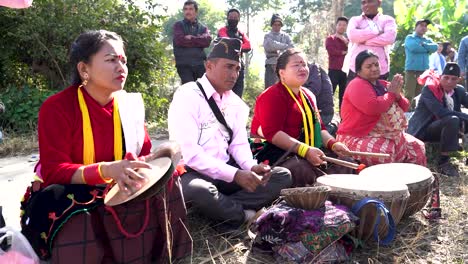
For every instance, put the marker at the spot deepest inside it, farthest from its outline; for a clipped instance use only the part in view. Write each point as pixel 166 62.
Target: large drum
pixel 418 178
pixel 348 189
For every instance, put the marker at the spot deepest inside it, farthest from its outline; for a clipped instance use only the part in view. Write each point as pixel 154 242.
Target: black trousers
pixel 338 78
pixel 239 85
pixel 445 131
pixel 190 73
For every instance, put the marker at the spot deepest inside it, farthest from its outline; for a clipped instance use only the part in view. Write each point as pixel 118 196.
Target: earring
pixel 84 83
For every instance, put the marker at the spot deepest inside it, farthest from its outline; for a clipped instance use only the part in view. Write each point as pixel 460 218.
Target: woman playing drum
pixel 82 142
pixel 373 117
pixel 287 117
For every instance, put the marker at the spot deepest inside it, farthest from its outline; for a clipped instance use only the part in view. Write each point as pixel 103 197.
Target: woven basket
pixel 307 198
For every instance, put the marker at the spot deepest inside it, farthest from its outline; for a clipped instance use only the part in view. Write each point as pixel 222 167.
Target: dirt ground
pixel 417 241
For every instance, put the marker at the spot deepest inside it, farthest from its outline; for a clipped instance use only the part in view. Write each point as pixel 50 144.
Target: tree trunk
pixel 337 10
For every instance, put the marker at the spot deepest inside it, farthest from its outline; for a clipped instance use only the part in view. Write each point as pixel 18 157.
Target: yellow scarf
pixel 88 141
pixel 306 116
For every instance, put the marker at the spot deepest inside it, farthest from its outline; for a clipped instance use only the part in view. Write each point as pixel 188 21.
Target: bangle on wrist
pixel 92 175
pixel 330 143
pixel 107 180
pixel 333 146
pixel 302 150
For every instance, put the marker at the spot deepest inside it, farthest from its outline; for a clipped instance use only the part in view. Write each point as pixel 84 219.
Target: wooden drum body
pixel 348 189
pixel 419 180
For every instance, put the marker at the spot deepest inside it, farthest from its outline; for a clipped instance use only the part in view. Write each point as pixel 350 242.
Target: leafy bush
pixel 35 43
pixel 22 106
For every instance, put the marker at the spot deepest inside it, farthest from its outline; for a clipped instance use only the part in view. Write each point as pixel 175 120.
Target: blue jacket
pixel 463 54
pixel 417 51
pixel 429 109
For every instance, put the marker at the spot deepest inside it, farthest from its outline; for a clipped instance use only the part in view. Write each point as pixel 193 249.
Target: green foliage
pixel 449 18
pixel 251 8
pixel 253 85
pixel 353 8
pixel 21 107
pixel 209 15
pixel 35 44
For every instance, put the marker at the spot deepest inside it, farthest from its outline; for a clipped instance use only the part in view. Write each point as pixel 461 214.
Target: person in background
pixel 321 86
pixel 190 37
pixel 447 47
pixel 417 50
pixel 437 60
pixel 231 31
pixel 223 181
pixel 452 56
pixel 373 118
pixel 274 43
pixel 371 31
pixel 438 116
pixel 337 48
pixel 463 59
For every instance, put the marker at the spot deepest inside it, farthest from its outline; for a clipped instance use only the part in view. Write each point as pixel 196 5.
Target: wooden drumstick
pixel 341 162
pixel 369 154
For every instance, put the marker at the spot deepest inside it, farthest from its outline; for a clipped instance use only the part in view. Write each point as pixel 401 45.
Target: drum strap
pixel 382 211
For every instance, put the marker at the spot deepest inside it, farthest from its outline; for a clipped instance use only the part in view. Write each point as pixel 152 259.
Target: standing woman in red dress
pixel 286 115
pixel 91 134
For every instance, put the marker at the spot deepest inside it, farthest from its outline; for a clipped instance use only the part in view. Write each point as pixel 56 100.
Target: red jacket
pixel 275 111
pixel 60 128
pixel 223 32
pixel 362 108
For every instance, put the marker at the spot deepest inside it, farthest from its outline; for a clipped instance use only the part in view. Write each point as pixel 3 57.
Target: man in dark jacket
pixel 320 85
pixel 190 38
pixel 438 115
pixel 231 31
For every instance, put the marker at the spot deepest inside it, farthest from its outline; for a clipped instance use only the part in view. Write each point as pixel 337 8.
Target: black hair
pixel 362 56
pixel 85 46
pixel 283 59
pixel 192 2
pixel 445 50
pixel 233 10
pixel 342 18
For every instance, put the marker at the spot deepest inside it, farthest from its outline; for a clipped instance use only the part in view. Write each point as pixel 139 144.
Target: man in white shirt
pixel 223 181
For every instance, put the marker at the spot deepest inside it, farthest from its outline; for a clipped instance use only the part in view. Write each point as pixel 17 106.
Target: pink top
pixel 204 141
pixel 363 33
pixel 16 3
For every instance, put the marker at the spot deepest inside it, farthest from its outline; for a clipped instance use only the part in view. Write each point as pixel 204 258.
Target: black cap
pixel 276 18
pixel 427 21
pixel 451 68
pixel 227 48
pixel 233 10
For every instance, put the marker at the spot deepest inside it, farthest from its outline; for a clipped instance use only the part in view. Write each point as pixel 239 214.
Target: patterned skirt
pixel 388 136
pixel 70 224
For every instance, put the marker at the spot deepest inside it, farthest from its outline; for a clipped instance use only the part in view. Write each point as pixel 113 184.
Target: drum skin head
pixel 159 172
pixel 406 173
pixel 363 186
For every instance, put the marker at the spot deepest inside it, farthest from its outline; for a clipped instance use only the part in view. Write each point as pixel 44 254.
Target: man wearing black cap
pixel 438 115
pixel 417 49
pixel 274 43
pixel 231 31
pixel 208 120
